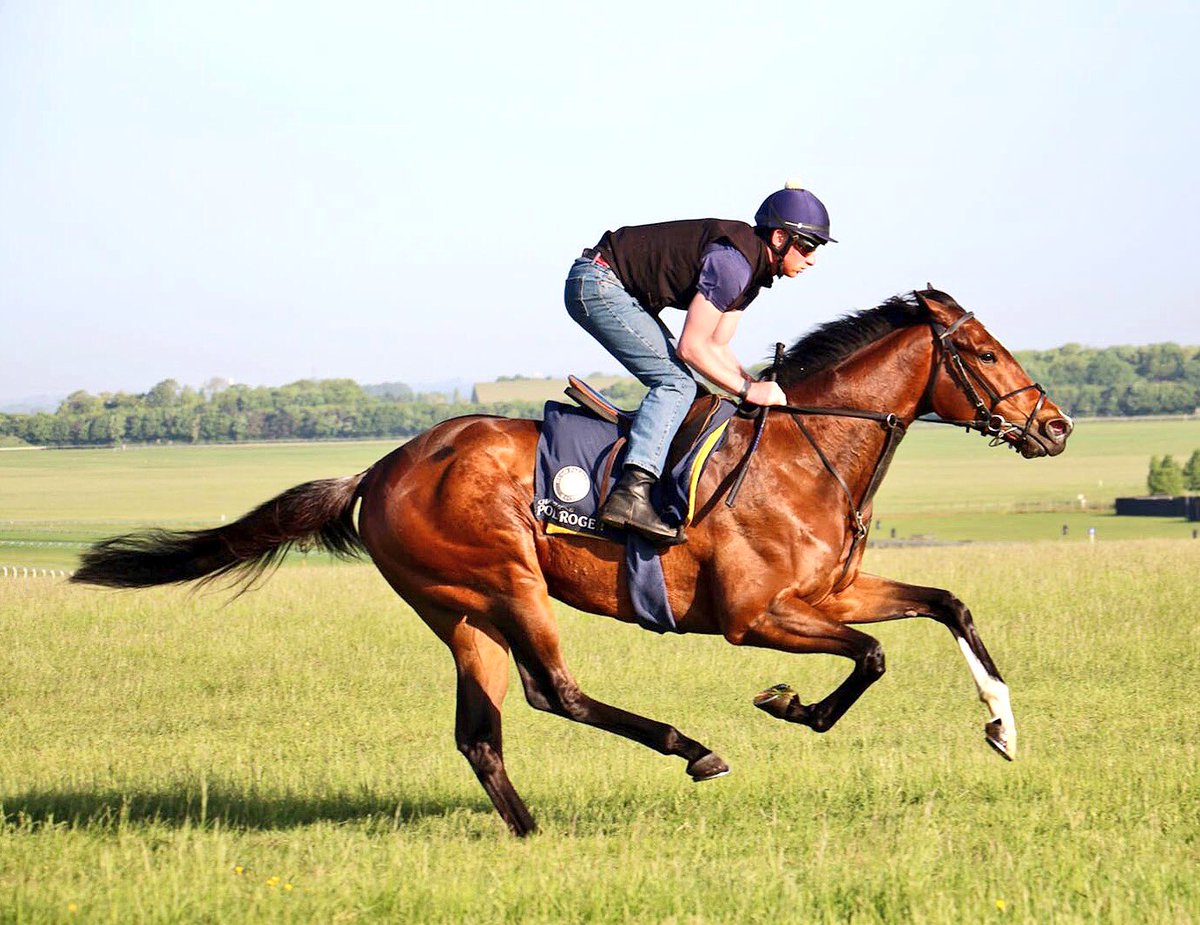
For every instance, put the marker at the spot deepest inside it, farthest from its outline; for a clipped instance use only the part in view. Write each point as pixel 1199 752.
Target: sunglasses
pixel 806 245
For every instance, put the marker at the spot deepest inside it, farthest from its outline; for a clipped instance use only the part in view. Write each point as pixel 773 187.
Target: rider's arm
pixel 704 346
pixel 704 343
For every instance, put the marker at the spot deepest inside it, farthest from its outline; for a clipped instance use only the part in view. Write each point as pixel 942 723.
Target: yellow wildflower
pixel 288 887
pixel 71 907
pixel 1000 904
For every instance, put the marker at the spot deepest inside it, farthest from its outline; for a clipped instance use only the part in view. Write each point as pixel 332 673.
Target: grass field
pixel 289 757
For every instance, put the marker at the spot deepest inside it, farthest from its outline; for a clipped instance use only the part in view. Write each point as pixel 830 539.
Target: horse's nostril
pixel 1058 428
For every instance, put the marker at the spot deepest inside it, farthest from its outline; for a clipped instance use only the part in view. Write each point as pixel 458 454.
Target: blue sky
pixel 267 192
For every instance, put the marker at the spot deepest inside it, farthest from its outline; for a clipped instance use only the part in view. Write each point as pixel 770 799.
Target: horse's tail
pixel 316 515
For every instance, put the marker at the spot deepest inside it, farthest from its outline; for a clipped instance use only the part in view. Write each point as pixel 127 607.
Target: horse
pixel 447 519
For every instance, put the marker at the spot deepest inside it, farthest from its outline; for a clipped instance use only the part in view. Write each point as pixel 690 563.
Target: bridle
pixel 987 421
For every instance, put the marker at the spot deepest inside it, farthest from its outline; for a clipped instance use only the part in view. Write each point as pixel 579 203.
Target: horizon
pixel 448 384
pixel 445 386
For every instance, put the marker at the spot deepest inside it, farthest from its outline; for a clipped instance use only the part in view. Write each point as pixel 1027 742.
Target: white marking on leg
pixel 994 693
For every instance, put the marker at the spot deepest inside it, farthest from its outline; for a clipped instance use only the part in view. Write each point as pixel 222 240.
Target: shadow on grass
pixel 112 809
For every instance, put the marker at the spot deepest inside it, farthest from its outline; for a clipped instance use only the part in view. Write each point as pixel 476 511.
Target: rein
pixel 987 421
pixel 895 432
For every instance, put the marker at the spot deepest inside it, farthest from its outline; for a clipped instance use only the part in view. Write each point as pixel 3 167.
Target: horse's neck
pixel 888 376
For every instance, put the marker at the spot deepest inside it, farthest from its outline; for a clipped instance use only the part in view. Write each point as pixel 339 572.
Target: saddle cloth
pixel 576 467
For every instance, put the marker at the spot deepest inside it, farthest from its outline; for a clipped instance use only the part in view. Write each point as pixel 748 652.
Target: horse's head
pixel 977 383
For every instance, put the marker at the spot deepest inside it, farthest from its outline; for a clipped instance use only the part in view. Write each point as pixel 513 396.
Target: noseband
pixel 987 421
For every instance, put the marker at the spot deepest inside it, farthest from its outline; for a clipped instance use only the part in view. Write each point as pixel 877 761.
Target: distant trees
pixel 1151 379
pixel 81 402
pixel 1165 477
pixel 1191 472
pixel 222 412
pixel 626 393
pixel 401 391
pixel 163 395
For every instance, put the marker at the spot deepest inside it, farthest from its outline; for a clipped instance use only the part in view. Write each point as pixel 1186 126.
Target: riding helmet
pixel 796 210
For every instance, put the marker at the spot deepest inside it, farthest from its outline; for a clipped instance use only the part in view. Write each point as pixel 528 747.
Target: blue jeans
pixel 599 303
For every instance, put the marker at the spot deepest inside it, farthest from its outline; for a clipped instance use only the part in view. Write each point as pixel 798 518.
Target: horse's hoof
pixel 994 734
pixel 707 767
pixel 775 700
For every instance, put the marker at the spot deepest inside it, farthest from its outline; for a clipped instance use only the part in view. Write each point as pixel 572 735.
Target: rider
pixel 712 269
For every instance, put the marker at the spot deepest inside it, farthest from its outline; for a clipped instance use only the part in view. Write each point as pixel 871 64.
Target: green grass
pixel 992 527
pixel 945 470
pixel 157 484
pixel 159 741
pixel 69 498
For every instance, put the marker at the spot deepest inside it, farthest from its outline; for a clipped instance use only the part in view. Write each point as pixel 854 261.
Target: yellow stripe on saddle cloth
pixel 698 438
pixel 704 451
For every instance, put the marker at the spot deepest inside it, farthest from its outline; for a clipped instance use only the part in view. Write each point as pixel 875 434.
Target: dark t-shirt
pixel 660 265
pixel 724 275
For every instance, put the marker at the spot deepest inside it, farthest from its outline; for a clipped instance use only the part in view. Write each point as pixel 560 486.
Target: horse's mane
pixel 835 340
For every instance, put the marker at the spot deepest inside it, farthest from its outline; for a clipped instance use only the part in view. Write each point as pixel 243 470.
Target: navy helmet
pixel 795 210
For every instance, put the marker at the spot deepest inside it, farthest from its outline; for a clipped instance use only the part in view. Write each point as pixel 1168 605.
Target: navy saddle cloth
pixel 573 463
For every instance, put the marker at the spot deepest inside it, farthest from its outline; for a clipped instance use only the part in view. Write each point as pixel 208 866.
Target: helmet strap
pixel 781 250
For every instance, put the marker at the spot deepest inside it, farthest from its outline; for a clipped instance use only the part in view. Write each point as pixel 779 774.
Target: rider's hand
pixel 766 393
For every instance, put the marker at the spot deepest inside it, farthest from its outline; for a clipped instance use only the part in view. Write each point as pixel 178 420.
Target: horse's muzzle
pixel 1047 438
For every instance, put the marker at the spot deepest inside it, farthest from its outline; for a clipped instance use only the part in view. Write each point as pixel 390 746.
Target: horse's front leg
pixel 872 599
pixel 791 625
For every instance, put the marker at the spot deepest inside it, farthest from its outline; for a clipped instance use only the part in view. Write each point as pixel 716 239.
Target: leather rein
pixel 986 421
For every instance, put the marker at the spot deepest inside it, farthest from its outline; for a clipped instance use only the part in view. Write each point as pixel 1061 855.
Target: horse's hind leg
pixel 872 599
pixel 481 661
pixel 549 686
pixel 791 625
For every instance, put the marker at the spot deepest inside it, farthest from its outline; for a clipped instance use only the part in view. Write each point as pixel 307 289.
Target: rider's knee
pixel 679 381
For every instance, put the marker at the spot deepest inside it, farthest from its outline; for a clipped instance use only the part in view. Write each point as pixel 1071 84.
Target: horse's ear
pixel 938 311
pixel 928 284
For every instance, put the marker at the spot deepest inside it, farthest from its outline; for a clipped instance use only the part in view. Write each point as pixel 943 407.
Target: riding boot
pixel 628 507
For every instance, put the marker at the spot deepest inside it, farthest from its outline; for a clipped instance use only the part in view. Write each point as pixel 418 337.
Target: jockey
pixel 710 268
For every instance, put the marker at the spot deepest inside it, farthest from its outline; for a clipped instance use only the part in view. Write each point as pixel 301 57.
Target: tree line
pixel 304 410
pixel 1152 379
pixel 1167 477
pixel 1114 381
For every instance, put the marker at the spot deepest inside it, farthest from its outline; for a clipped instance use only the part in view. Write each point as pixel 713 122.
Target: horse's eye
pixel 988 357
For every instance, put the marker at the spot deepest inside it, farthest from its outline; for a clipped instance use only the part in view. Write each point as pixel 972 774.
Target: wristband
pixel 744 390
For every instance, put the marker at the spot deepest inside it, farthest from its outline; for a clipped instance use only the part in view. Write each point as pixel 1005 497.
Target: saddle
pixel 579 447
pixel 694 425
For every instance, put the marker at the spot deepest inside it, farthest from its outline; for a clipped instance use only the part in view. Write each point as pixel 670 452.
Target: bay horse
pixel 447 519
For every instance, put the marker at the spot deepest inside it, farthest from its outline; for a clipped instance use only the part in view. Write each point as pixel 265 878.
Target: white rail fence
pixel 37 571
pixel 29 571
